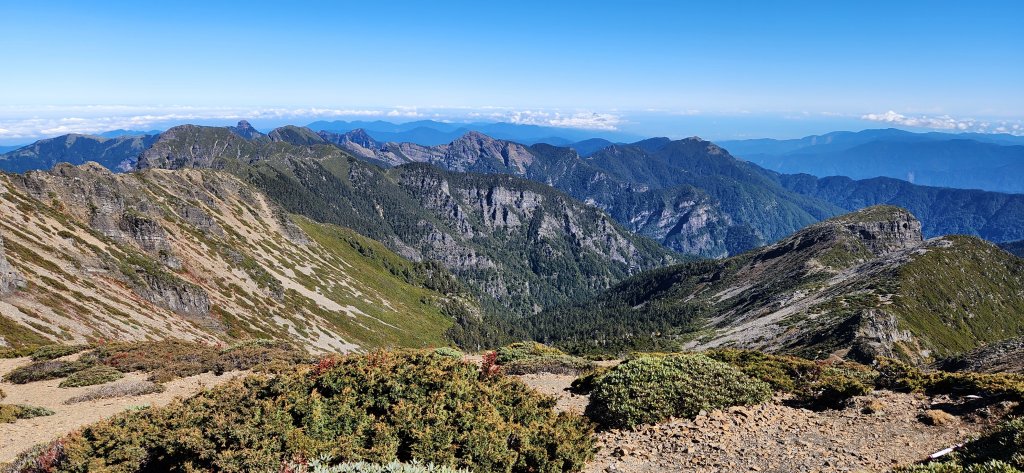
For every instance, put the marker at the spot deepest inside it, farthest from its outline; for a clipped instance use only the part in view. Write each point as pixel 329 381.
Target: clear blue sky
pixel 633 66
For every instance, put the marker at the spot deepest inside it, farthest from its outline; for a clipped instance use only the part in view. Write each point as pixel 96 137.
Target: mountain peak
pixel 880 229
pixel 296 135
pixel 245 130
pixel 475 136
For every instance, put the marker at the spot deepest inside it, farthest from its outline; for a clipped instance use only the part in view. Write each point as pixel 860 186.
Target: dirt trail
pixel 22 434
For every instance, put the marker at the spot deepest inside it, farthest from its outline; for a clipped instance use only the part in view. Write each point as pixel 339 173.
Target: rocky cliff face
pixel 197 255
pixel 884 229
pixel 654 188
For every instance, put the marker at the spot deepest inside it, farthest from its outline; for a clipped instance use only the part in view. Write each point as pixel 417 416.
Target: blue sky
pixel 719 69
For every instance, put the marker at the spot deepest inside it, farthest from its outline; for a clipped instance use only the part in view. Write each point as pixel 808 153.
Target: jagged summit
pixel 246 130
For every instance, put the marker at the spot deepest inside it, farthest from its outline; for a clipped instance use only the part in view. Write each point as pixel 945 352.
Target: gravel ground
pixel 775 437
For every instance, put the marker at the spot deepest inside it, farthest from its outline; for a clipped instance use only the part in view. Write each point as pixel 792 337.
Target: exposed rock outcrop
pixel 10 279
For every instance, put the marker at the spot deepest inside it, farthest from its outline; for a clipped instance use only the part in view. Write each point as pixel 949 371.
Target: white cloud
pixel 945 122
pixel 581 120
pixel 21 122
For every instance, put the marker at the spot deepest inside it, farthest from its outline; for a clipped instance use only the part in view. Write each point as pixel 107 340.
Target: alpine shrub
pixel 91 376
pixel 50 352
pixel 13 412
pixel 448 352
pixel 651 389
pixel 376 408
pixel 43 370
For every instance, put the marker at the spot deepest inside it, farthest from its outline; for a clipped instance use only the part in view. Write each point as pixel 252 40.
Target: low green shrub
pixel 12 412
pixel 521 350
pixel 817 384
pixel 651 389
pixel 268 356
pixel 123 389
pixel 586 381
pixel 994 466
pixel 376 408
pixel 17 352
pixel 50 352
pixel 44 370
pixel 171 359
pixel 448 352
pixel 90 376
pixel 1004 443
pixel 783 373
pixel 899 376
pixel 164 360
pixel 532 357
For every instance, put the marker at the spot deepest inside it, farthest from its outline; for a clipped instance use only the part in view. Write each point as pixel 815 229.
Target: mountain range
pixel 991 162
pixel 118 153
pixel 341 242
pixel 694 197
pixel 519 245
pixel 690 195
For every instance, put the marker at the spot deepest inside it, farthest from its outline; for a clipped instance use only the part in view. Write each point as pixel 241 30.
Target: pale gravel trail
pixel 22 434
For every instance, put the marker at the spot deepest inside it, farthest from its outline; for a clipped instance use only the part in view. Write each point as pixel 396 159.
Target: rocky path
pixel 883 430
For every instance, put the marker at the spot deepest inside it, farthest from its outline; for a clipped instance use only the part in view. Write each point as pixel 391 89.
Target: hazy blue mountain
pixel 588 147
pixel 432 133
pixel 994 216
pixel 840 140
pixel 1015 247
pixel 966 161
pixel 121 132
pixel 4 149
pixel 117 154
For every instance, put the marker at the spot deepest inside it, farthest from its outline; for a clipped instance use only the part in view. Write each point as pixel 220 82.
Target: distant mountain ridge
pixel 118 154
pixel 694 197
pixel 433 133
pixel 966 161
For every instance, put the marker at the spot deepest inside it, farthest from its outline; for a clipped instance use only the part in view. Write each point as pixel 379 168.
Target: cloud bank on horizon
pixel 24 124
pixel 947 123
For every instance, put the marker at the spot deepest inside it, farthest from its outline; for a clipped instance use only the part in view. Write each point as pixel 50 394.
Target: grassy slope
pixel 960 296
pixel 80 281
